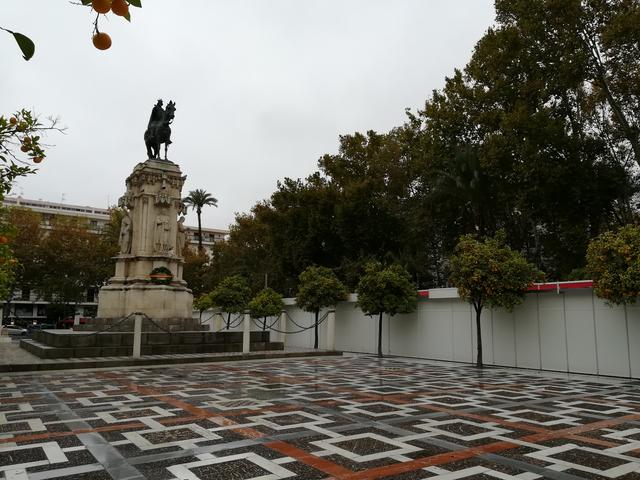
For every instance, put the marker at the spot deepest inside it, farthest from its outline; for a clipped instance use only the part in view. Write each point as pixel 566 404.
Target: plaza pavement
pixel 346 418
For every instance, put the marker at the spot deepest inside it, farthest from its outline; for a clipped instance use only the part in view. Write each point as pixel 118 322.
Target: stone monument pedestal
pixel 150 238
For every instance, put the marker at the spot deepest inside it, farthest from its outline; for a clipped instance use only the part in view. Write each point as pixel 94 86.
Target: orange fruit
pixel 37 159
pixel 120 8
pixel 101 6
pixel 101 41
pixel 24 148
pixel 13 120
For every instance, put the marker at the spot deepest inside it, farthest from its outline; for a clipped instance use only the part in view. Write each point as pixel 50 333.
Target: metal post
pixel 246 336
pixel 283 327
pixel 216 322
pixel 331 329
pixel 137 336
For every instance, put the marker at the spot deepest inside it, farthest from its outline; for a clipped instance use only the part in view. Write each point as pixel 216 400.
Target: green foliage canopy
pixel 613 261
pixel 232 295
pixel 489 273
pixel 386 290
pixel 319 288
pixel 267 303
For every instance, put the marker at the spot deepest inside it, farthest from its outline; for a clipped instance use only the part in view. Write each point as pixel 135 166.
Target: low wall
pixel 569 331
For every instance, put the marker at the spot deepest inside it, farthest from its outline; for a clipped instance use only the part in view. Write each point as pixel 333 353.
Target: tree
pixel 592 42
pixel 319 288
pixel 101 40
pixel 197 200
pixel 73 259
pixel 8 264
pixel 489 273
pixel 202 303
pixel 385 290
pixel 24 234
pixel 613 261
pixel 20 131
pixel 196 271
pixel 267 303
pixel 232 295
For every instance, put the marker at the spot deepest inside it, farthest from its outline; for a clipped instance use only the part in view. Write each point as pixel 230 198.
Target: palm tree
pixel 197 199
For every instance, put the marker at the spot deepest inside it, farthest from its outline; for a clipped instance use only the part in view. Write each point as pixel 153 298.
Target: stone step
pixel 42 350
pixel 73 339
pixel 148 325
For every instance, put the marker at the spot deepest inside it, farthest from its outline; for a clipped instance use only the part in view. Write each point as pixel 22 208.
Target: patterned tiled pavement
pixel 349 418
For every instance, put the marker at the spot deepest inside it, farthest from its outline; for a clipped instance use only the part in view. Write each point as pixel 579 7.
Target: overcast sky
pixel 262 88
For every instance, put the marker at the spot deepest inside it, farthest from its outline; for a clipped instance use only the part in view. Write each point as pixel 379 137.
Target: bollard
pixel 283 327
pixel 331 329
pixel 137 336
pixel 216 322
pixel 246 335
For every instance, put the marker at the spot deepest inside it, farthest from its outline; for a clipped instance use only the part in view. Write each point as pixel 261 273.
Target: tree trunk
pixel 315 342
pixel 264 324
pixel 478 309
pixel 228 321
pixel 380 335
pixel 199 211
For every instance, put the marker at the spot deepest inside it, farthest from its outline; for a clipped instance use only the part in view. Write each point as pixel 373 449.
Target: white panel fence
pixel 569 331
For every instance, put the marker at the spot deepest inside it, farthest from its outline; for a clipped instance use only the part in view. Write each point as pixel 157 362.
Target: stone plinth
pixel 150 238
pixel 70 344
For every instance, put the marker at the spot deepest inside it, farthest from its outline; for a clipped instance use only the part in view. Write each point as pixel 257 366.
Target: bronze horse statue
pixel 158 131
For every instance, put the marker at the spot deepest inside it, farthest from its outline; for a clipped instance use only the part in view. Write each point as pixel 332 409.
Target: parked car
pixel 15 330
pixel 39 326
pixel 69 322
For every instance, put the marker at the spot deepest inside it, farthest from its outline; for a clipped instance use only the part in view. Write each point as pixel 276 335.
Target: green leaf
pixel 86 2
pixel 26 45
pixel 127 17
pixel 135 3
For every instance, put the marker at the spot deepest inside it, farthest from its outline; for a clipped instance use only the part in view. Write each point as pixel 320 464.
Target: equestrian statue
pixel 158 130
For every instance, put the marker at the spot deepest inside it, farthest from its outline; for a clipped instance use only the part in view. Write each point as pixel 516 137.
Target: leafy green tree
pixel 197 200
pixel 489 273
pixel 595 43
pixel 267 303
pixel 21 131
pixel 232 295
pixel 8 263
pixel 319 288
pixel 202 303
pixel 613 261
pixel 22 234
pixel 73 259
pixel 535 135
pixel 386 290
pixel 196 271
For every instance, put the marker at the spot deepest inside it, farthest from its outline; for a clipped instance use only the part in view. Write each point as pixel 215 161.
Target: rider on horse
pixel 157 116
pixel 158 131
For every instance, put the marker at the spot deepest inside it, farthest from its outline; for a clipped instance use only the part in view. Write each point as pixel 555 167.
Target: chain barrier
pixel 156 324
pixel 232 323
pixel 302 329
pixel 112 326
pixel 216 314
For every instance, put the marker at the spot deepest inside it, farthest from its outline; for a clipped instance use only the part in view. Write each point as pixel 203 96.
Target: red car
pixel 70 321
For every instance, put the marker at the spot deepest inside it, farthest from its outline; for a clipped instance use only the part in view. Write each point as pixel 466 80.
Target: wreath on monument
pixel 161 276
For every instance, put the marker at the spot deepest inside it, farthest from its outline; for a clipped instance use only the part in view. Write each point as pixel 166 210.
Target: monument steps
pixel 51 344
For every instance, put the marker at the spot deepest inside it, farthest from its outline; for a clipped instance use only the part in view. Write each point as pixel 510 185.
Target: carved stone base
pixel 150 238
pixel 156 301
